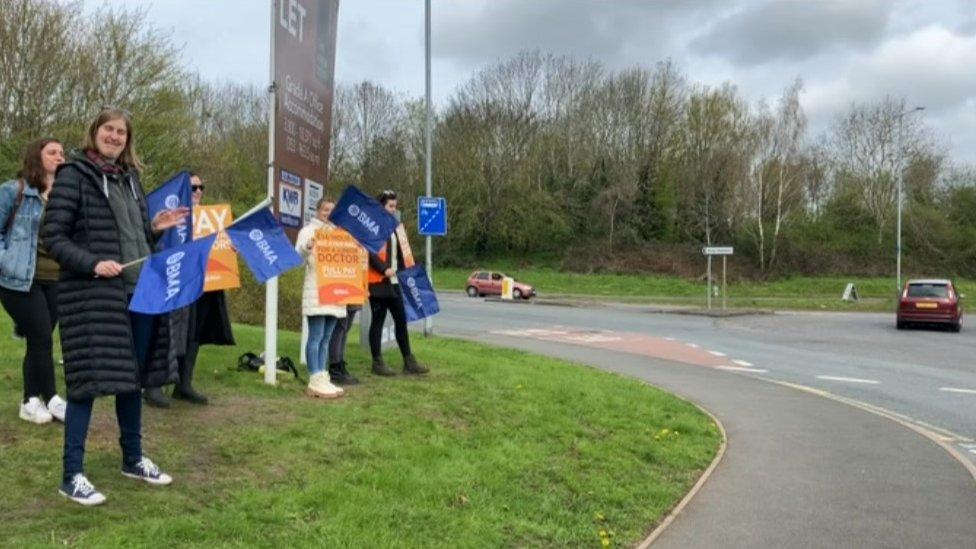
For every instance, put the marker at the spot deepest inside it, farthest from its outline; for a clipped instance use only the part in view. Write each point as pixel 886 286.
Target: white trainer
pixel 34 411
pixel 57 408
pixel 320 386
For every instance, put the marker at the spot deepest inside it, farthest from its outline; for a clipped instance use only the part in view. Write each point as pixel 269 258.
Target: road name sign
pixel 432 215
pixel 717 250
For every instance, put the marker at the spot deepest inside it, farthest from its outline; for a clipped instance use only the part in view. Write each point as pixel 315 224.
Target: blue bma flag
pixel 419 299
pixel 173 278
pixel 174 193
pixel 262 243
pixel 364 218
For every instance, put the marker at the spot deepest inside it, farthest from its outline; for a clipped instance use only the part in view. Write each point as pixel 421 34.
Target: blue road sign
pixel 432 216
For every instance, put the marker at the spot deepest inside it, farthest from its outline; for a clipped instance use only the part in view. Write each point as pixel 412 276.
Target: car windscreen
pixel 928 290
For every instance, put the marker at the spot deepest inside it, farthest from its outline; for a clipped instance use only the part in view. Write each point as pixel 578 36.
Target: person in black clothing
pixel 384 296
pixel 96 226
pixel 209 324
pixel 338 369
pixel 205 322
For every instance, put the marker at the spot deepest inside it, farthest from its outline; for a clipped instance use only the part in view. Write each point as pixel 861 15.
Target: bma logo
pixel 256 235
pixel 415 292
pixel 364 219
pixel 173 275
pixel 175 258
pixel 172 202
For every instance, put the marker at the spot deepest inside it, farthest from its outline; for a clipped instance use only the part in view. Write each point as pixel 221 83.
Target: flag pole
pixel 261 205
pixel 271 286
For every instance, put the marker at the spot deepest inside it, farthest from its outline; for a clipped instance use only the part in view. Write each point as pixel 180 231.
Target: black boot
pixel 154 397
pixel 340 375
pixel 380 368
pixel 411 366
pixel 184 389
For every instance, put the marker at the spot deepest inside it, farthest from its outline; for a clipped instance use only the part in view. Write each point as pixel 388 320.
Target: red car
pixel 931 302
pixel 490 283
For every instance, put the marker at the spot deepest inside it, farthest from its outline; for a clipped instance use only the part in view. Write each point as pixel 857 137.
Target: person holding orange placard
pixel 321 319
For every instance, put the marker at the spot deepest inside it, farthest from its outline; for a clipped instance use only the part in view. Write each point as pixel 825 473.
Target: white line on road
pixel 957 390
pixel 849 379
pixel 693 345
pixel 716 353
pixel 669 339
pixel 742 363
pixel 742 369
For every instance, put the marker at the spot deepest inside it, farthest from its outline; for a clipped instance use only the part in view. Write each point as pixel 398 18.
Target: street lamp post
pixel 428 151
pixel 901 184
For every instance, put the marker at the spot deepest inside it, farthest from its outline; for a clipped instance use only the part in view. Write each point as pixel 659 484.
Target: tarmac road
pixel 801 470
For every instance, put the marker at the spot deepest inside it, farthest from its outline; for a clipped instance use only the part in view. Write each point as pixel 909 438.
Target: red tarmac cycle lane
pixel 637 344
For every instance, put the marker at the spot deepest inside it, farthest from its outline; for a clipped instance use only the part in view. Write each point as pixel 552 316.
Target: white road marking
pixel 669 339
pixel 849 379
pixel 957 390
pixel 742 363
pixel 716 353
pixel 693 345
pixel 742 369
pixel 971 448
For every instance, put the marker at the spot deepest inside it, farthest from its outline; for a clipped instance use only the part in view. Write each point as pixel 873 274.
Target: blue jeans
pixel 128 410
pixel 317 347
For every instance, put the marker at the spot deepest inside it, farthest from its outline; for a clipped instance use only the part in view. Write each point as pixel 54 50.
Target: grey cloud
pixel 469 33
pixel 794 30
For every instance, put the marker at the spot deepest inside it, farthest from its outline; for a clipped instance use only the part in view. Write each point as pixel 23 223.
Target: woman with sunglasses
pixel 96 227
pixel 28 276
pixel 384 296
pixel 209 324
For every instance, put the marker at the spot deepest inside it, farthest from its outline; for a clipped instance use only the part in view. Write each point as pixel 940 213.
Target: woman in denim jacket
pixel 28 276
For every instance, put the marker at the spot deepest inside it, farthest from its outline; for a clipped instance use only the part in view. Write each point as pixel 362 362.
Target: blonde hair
pixel 128 158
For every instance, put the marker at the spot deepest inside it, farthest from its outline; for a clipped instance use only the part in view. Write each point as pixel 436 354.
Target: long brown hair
pixel 32 171
pixel 128 158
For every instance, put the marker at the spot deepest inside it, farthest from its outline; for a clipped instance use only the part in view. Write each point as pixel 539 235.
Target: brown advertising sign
pixel 304 68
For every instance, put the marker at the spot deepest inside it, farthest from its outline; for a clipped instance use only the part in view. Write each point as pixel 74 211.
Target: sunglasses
pixel 197 188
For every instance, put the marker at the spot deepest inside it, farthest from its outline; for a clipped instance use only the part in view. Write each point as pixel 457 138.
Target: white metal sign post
pixel 709 251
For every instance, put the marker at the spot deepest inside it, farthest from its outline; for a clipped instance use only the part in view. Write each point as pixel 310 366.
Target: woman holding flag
pixel 321 319
pixel 384 296
pixel 96 223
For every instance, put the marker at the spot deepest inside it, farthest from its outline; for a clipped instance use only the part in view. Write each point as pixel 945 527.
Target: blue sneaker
pixel 146 470
pixel 79 490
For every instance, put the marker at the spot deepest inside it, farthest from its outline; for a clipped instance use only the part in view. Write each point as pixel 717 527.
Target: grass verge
pixel 493 448
pixel 800 293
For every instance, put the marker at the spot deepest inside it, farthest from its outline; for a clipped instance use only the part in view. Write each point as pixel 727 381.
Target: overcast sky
pixel 844 50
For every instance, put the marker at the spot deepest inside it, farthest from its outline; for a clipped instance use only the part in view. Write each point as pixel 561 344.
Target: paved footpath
pixel 800 470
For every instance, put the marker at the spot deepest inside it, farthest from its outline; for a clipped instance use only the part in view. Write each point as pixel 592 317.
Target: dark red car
pixel 490 283
pixel 934 301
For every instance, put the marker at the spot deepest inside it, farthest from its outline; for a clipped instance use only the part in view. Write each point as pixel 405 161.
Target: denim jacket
pixel 18 247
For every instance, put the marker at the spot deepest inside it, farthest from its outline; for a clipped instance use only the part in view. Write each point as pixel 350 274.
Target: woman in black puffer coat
pixel 97 220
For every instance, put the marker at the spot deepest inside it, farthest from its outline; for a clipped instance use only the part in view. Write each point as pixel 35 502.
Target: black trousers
pixel 379 307
pixel 35 313
pixel 337 344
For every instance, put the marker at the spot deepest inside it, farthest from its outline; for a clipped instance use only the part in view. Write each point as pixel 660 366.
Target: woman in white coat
pixel 321 318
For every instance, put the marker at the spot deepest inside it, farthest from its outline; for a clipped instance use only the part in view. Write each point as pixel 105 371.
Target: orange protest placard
pixel 222 270
pixel 340 268
pixel 401 233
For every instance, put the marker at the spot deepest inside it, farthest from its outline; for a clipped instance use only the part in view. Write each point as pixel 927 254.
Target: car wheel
pixel 899 325
pixel 472 291
pixel 516 293
pixel 957 327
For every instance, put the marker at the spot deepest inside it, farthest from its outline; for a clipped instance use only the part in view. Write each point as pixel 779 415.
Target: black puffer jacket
pixel 96 338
